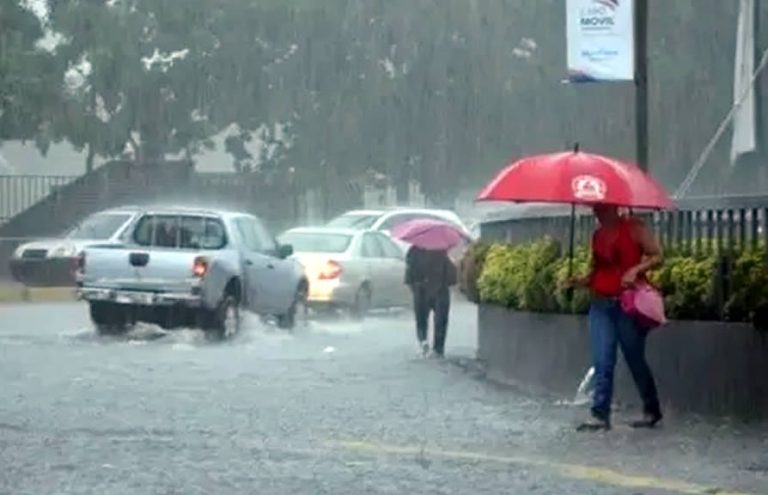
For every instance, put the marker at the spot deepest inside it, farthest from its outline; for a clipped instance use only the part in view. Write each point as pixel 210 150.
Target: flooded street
pixel 170 164
pixel 338 407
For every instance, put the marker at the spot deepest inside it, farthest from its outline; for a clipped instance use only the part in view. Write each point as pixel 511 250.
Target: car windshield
pixel 354 221
pixel 316 242
pixel 100 226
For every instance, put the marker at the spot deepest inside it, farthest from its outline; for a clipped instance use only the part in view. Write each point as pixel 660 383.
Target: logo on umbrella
pixel 588 188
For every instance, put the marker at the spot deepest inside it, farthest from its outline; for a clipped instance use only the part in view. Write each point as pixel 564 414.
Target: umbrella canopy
pixel 430 234
pixel 576 178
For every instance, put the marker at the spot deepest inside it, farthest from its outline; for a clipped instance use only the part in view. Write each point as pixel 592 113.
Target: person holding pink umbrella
pixel 430 273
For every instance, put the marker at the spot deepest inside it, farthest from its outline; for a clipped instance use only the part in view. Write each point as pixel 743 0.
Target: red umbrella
pixel 574 177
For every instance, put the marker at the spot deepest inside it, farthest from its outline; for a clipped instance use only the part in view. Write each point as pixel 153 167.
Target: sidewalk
pixel 16 293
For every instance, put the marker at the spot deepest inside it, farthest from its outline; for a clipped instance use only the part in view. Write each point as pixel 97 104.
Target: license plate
pixel 134 299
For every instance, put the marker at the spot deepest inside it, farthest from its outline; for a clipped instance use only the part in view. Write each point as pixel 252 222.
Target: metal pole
pixel 641 83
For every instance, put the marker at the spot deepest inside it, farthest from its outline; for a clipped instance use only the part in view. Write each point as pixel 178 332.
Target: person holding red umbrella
pixel 623 251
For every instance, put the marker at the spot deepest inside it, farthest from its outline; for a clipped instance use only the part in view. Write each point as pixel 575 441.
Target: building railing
pixel 698 225
pixel 718 227
pixel 19 192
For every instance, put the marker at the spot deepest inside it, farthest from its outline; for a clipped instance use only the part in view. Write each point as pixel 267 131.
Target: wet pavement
pixel 336 408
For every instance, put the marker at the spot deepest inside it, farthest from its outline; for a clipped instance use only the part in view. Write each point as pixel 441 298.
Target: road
pixel 336 408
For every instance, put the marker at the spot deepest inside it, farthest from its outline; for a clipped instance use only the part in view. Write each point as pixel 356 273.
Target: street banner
pixel 745 120
pixel 601 45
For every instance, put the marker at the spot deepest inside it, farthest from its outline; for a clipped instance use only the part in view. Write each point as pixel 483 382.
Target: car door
pixel 255 265
pixel 282 283
pixel 373 258
pixel 394 269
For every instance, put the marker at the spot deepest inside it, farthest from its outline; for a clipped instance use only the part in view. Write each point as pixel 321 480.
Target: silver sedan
pixel 350 269
pixel 52 262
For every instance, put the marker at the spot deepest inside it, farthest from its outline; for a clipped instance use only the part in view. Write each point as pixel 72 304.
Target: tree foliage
pixel 28 75
pixel 442 92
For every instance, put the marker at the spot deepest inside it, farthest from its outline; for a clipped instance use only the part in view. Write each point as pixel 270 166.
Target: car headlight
pixel 64 252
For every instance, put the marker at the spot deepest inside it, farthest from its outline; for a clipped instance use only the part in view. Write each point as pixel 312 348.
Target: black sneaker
pixel 648 421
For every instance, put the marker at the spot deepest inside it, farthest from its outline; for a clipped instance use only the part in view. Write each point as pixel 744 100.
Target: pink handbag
pixel 645 304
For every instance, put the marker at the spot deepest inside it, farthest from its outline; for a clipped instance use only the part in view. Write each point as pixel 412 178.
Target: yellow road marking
pixel 564 470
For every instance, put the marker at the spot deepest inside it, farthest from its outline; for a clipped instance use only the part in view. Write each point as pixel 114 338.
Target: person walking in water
pixel 430 274
pixel 623 251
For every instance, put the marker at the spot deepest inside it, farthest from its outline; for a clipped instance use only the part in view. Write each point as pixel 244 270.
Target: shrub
pixel 531 277
pixel 570 300
pixel 499 280
pixel 539 276
pixel 688 285
pixel 520 276
pixel 748 299
pixel 470 268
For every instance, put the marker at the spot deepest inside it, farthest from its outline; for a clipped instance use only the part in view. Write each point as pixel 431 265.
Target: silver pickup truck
pixel 179 267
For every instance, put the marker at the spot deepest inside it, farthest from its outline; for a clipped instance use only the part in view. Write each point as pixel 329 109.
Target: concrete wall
pixel 701 367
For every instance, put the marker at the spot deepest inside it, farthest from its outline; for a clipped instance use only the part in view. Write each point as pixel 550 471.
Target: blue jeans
pixel 609 328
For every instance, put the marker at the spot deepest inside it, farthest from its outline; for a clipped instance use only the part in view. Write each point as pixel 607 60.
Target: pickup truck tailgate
pixel 151 270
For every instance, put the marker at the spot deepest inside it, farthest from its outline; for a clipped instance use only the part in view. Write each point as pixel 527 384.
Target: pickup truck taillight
pixel 330 271
pixel 200 267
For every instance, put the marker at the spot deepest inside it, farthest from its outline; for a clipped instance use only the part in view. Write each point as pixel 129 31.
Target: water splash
pixel 583 392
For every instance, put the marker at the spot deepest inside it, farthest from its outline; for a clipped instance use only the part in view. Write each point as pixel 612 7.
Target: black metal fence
pixel 19 192
pixel 698 225
pixel 718 227
pixel 33 207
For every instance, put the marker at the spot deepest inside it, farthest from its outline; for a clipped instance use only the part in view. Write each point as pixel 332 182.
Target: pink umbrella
pixel 430 234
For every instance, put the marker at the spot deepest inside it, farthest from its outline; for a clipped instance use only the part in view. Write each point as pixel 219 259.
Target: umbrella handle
pixel 571 235
pixel 571 242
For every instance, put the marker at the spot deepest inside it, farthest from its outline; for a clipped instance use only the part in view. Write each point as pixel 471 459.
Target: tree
pixel 140 76
pixel 28 76
pixel 159 77
pixel 325 92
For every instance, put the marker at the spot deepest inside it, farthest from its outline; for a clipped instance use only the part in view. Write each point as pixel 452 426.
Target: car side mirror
pixel 284 251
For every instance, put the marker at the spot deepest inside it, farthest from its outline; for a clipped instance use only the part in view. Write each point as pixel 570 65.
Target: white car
pixel 52 262
pixel 350 269
pixel 385 220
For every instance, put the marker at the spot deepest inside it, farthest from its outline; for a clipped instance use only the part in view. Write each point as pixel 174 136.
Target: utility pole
pixel 641 84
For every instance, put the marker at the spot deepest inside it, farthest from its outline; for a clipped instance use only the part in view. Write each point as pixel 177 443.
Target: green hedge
pixel 531 277
pixel 470 268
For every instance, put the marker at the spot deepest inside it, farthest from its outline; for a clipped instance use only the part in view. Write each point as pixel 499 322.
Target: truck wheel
pixel 224 322
pixel 109 318
pixel 297 312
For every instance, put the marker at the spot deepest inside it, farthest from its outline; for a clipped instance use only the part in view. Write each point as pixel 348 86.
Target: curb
pixel 21 294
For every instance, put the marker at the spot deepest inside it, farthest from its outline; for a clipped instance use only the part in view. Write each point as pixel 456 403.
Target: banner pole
pixel 641 84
